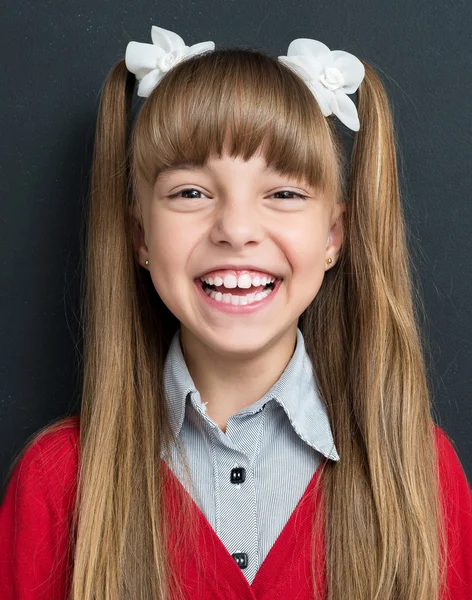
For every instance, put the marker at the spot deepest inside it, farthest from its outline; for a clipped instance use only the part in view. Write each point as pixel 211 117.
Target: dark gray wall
pixel 56 56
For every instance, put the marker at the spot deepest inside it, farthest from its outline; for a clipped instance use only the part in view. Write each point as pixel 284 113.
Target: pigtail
pixel 382 496
pixel 119 546
pixel 377 219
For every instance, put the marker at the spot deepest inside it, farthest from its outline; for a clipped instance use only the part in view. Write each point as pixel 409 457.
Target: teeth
pixel 243 281
pixel 230 281
pixel 237 300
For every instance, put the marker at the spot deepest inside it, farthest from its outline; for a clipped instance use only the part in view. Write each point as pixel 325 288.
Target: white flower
pixel 149 62
pixel 330 75
pixel 332 78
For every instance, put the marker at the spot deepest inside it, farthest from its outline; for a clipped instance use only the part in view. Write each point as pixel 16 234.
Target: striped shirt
pixel 275 443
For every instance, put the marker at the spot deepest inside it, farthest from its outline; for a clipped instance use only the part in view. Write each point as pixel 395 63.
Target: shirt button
pixel 238 475
pixel 241 559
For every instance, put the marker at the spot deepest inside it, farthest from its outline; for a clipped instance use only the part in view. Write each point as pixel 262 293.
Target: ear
pixel 139 244
pixel 336 233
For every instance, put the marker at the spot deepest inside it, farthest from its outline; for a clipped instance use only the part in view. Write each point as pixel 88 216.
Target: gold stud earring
pixel 146 262
pixel 329 260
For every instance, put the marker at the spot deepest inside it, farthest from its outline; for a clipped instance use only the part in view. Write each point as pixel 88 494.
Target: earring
pixel 146 262
pixel 329 260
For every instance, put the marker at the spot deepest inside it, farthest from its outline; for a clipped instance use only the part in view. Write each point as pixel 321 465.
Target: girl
pixel 256 420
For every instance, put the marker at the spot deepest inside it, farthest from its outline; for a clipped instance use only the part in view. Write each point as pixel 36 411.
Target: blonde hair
pixel 384 530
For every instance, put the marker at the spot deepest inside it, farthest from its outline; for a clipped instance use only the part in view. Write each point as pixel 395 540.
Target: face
pixel 232 212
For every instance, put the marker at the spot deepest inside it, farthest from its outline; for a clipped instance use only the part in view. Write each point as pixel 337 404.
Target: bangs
pixel 239 102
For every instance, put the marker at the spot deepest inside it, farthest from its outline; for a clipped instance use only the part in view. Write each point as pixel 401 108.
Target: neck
pixel 228 382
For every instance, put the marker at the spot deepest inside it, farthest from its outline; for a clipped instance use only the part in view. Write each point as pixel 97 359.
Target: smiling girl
pixel 256 420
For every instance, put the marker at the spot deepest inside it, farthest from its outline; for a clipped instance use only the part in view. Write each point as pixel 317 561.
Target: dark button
pixel 241 559
pixel 238 475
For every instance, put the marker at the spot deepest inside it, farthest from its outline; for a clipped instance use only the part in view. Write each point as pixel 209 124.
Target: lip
pixel 239 268
pixel 230 308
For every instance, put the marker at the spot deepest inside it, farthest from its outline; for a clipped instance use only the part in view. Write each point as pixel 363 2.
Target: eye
pixel 185 191
pixel 290 192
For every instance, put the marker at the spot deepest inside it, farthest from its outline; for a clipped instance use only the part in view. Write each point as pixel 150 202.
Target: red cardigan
pixel 35 521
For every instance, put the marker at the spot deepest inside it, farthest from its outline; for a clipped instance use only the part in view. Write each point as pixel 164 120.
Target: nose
pixel 237 221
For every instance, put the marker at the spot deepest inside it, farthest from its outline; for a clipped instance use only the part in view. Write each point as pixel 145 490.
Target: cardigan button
pixel 238 475
pixel 241 559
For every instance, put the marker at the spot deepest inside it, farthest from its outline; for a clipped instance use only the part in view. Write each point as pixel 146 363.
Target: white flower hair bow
pixel 330 75
pixel 149 62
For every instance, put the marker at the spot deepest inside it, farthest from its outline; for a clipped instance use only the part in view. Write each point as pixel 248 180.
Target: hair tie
pixel 329 74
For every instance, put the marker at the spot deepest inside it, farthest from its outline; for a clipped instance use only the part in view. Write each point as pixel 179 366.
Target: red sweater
pixel 35 521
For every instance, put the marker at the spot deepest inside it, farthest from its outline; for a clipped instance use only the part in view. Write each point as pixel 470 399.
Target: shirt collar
pixel 296 392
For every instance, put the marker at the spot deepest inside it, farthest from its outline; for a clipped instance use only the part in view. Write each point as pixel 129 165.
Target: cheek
pixel 306 254
pixel 305 251
pixel 171 239
pixel 170 247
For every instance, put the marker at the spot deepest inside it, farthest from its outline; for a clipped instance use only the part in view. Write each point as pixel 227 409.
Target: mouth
pixel 238 300
pixel 237 291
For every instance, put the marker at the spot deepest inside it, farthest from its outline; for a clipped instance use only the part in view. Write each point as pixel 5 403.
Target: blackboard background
pixel 55 57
